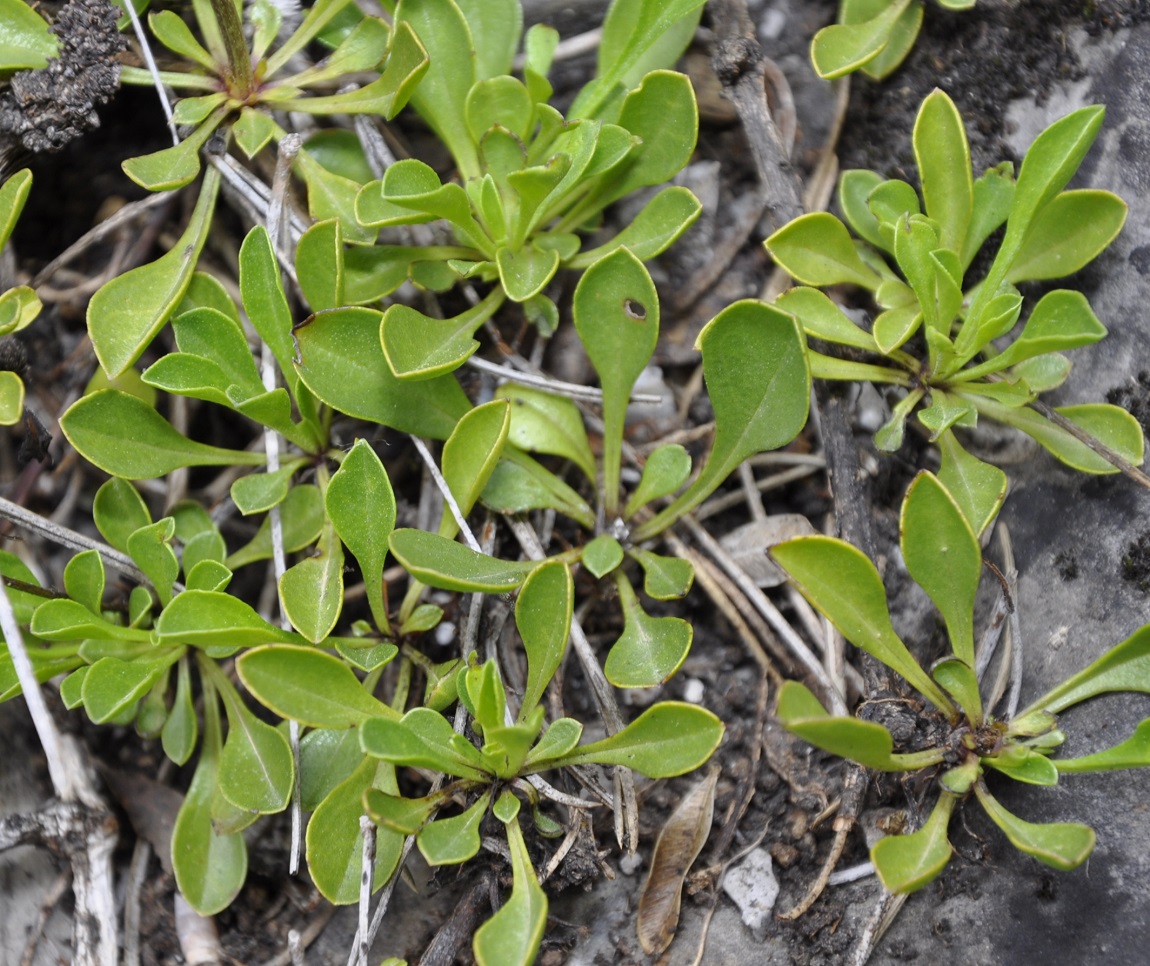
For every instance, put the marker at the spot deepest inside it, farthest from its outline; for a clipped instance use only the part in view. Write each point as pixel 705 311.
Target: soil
pixel 1007 65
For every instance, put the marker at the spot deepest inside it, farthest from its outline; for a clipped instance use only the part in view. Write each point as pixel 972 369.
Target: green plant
pixel 958 364
pixel 26 43
pixel 19 305
pixel 756 374
pixel 873 36
pixel 958 739
pixel 242 85
pixel 531 179
pixel 667 739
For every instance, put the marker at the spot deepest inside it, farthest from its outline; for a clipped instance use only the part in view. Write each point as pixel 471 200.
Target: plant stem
pixel 240 78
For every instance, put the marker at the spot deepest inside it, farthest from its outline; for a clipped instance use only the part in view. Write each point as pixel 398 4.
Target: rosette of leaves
pixel 942 556
pixel 530 179
pixel 19 305
pixel 953 344
pixel 756 374
pixel 669 738
pixel 873 36
pixel 238 87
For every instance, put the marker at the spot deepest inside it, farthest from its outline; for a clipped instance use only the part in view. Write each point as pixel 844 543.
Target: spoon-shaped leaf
pixel 650 649
pixel 666 469
pixel 670 738
pixel 308 686
pixel 451 841
pixel 1125 667
pixel 439 562
pixel 755 366
pixel 943 557
pixel 977 487
pixel 302 515
pixel 418 347
pixel 943 156
pixel 361 506
pixel 664 578
pixel 616 311
pixel 470 456
pixel 511 937
pixel 209 868
pixel 651 232
pixel 1134 752
pixel 126 437
pixel 1061 845
pixel 256 766
pixel 906 863
pixel 1024 764
pixel 342 362
pixel 202 618
pixel 546 423
pixel 311 591
pixel 126 313
pixel 1070 231
pixel 14 192
pixel 543 616
pixel 422 739
pixel 817 249
pixel 845 587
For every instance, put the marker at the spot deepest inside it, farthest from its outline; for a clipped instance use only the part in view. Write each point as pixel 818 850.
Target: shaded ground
pixel 1011 68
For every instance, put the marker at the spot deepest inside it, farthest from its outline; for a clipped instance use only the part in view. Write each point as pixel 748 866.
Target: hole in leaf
pixel 635 310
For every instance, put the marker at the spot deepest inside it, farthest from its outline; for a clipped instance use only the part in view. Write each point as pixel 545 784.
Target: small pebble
pixel 753 887
pixel 693 690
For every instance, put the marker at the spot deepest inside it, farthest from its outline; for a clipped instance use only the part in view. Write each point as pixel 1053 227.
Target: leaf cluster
pixel 942 556
pixel 953 344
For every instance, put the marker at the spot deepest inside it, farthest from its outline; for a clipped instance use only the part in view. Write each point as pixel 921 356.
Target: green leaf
pixel 206 573
pixel 943 156
pixel 942 556
pixel 977 487
pixel 84 579
pixel 650 649
pixel 112 686
pixel 256 767
pixel 126 313
pixel 1061 845
pixel 1125 667
pixel 441 95
pixel 61 619
pixel 302 517
pixel 308 686
pixel 1134 752
pixel 422 739
pixel 126 437
pixel 1023 765
pixel 823 319
pixel 341 360
pixel 817 249
pixel 331 197
pixel 14 191
pixel 546 423
pixel 452 841
pixel 666 469
pixel 755 366
pixel 543 617
pixel 263 296
pixel 905 863
pixel 327 757
pixel 482 693
pixel 419 347
pixel 866 742
pixel 439 562
pixel 630 32
pixel 1061 320
pixel 557 741
pixel 209 868
pixel 844 586
pixel 26 43
pixel 1070 231
pixel 958 679
pixel 171 31
pixel 470 455
pixel 512 936
pixel 602 555
pixel 151 548
pixel 616 310
pixel 181 730
pixel 176 166
pixel 254 130
pixel 668 739
pixel 259 492
pixel 664 578
pixel 844 47
pixel 406 815
pixel 1043 373
pixel 658 225
pixel 319 265
pixel 361 506
pixel 1112 426
pixel 335 841
pixel 215 335
pixel 525 272
pixel 311 591
pixel 201 618
pixel 519 484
